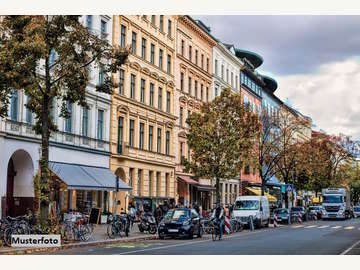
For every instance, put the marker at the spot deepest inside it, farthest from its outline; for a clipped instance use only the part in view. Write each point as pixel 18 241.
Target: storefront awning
pixel 257 192
pixel 187 180
pixel 82 177
pixel 205 188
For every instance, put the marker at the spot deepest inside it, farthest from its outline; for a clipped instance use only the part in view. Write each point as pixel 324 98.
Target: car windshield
pixel 176 214
pixel 281 211
pixel 246 205
pixel 332 199
pixel 357 209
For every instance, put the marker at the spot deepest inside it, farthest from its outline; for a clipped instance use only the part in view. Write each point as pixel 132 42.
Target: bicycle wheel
pixel 7 236
pixel 68 233
pixel 213 234
pixel 111 231
pixel 85 232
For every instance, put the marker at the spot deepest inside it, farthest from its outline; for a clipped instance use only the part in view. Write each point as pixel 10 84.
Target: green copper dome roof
pixel 254 58
pixel 271 84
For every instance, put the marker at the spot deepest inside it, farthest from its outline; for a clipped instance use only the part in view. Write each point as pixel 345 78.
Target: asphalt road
pixel 310 238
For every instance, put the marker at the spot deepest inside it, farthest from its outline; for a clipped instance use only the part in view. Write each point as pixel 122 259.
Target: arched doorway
pixel 122 200
pixel 19 187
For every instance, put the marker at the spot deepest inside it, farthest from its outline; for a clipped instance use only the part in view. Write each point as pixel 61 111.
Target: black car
pixel 180 222
pixel 282 215
pixel 298 210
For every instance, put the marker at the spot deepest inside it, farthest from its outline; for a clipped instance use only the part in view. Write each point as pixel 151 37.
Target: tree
pixel 267 154
pixel 48 58
pixel 221 137
pixel 290 133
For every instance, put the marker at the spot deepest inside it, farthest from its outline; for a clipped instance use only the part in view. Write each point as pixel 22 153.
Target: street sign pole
pixel 116 192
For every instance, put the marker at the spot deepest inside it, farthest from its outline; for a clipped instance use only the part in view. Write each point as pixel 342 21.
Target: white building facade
pixel 83 139
pixel 226 74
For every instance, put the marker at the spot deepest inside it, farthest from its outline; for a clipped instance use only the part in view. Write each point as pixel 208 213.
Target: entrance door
pixel 10 189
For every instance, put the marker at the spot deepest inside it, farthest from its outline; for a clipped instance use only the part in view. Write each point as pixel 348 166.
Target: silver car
pixel 356 211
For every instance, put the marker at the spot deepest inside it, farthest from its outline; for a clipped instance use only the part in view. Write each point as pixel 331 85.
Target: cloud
pixel 290 44
pixel 330 95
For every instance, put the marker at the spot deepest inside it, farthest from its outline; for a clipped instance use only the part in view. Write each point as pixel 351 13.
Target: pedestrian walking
pixel 158 214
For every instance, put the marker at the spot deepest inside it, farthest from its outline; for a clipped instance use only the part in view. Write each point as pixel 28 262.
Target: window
pixel 101 75
pixel 247 169
pixel 100 125
pixel 133 43
pixel 181 116
pixel 152 54
pixel 196 89
pixel 207 64
pixel 222 71
pixel 182 81
pixel 123 36
pixel 121 82
pixel 89 21
pixel 207 94
pixel 169 28
pixel 162 23
pixel 227 75
pixel 144 17
pixel 160 98
pixel 151 138
pixel 236 82
pixel 232 79
pixel 201 92
pixel 153 20
pixel 85 122
pixel 143 48
pixel 158 183
pixel 160 58
pixel 141 136
pixel 131 133
pixel 202 61
pixel 120 133
pixel 216 91
pixel 168 101
pixel 68 121
pixel 132 86
pixel 151 96
pixel 131 174
pixel 189 87
pixel 142 92
pixel 103 29
pixel 169 64
pixel 151 173
pixel 28 112
pixel 167 184
pixel 182 47
pixel 167 143
pixel 159 140
pixel 188 114
pixel 190 53
pixel 181 150
pixel 188 153
pixel 216 67
pixel 196 57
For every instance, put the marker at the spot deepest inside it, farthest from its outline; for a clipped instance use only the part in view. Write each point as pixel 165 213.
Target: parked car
pixel 298 210
pixel 282 215
pixel 315 209
pixel 356 211
pixel 180 222
pixel 255 206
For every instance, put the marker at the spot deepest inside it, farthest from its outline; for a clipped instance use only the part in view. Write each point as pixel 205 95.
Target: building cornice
pixel 190 23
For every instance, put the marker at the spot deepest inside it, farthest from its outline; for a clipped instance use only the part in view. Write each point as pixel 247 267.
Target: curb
pixel 22 251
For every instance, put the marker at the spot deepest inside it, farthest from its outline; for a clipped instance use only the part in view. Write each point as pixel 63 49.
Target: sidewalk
pixel 99 237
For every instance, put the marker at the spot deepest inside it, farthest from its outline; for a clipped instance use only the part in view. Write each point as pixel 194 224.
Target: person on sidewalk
pixel 219 215
pixel 158 214
pixel 197 208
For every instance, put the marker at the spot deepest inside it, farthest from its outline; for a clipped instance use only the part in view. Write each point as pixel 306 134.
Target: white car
pixel 356 211
pixel 255 206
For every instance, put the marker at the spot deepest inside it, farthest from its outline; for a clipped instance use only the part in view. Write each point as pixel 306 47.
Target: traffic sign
pixel 289 188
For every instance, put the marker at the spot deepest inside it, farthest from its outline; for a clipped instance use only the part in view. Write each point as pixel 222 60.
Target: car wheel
pixel 191 234
pixel 161 236
pixel 268 223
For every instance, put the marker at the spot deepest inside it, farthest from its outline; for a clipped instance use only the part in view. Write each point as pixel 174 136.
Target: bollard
pixel 251 223
pixel 289 219
pixel 275 221
pixel 300 218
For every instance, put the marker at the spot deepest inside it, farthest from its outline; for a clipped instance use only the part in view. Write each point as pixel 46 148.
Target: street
pixel 310 238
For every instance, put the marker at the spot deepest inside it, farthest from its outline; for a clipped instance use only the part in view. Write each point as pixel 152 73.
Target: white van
pixel 255 206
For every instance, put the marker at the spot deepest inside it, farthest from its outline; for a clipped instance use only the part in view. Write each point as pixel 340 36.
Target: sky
pixel 314 59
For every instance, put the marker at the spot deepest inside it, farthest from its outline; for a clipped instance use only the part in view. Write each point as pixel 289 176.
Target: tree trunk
pixel 263 185
pixel 44 163
pixel 218 194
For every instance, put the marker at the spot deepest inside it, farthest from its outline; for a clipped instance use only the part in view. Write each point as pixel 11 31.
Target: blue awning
pixel 82 177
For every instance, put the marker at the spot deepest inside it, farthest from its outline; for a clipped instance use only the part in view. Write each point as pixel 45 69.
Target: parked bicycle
pixel 119 225
pixel 77 229
pixel 236 225
pixel 12 226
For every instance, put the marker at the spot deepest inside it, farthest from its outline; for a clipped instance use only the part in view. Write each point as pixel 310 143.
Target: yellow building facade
pixel 142 112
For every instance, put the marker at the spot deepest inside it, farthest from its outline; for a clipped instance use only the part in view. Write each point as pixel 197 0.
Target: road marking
pixel 298 226
pixel 350 248
pixel 323 227
pixel 192 242
pixel 311 226
pixel 349 227
pixel 336 227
